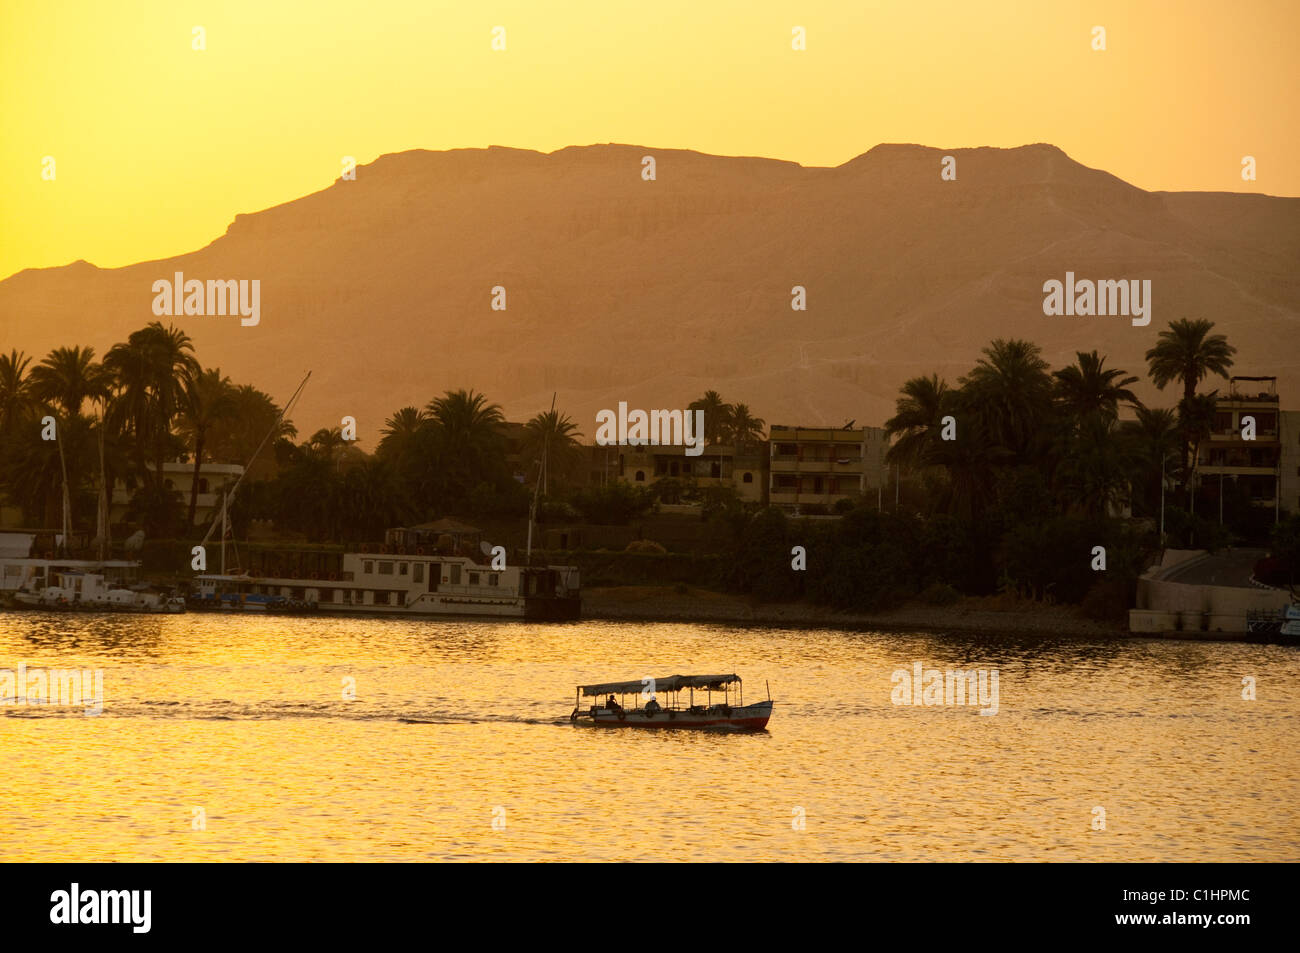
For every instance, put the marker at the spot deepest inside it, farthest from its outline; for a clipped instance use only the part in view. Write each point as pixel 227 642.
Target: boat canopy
pixel 673 683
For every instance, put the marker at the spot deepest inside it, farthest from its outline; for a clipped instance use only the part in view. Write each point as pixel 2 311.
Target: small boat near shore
pixel 81 591
pixel 607 712
pixel 1281 626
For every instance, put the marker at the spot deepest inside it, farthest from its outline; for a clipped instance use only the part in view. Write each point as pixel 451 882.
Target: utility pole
pixel 1162 501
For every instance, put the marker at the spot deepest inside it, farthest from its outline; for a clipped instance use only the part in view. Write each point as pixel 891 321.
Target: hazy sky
pixel 157 146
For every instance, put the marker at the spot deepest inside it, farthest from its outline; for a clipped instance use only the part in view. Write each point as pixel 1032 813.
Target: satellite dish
pixel 485 547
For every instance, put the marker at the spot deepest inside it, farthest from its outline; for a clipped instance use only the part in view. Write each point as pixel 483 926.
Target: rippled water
pixel 455 725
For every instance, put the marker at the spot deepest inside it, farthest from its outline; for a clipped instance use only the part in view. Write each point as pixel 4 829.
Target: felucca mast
pixel 227 494
pixel 532 510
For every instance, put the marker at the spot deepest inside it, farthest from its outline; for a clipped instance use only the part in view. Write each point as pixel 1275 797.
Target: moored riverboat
pixel 417 571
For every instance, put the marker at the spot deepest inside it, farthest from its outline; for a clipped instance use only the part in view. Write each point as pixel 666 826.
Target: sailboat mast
pixel 537 489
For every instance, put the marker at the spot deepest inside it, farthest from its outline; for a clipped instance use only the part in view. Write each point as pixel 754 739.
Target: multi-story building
pixel 819 466
pixel 1289 464
pixel 718 465
pixel 180 477
pixel 1256 464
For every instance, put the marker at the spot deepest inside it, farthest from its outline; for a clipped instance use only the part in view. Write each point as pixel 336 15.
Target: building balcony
pixel 1205 470
pixel 789 464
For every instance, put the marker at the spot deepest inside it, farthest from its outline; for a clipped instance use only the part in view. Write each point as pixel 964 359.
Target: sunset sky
pixel 157 146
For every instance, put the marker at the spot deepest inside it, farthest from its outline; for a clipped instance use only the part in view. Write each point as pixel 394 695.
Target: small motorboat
pixel 639 706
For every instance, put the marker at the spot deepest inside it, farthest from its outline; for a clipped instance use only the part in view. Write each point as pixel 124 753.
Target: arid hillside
pixel 619 288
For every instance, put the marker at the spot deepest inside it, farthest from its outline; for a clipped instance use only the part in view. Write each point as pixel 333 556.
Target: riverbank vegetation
pixel 1011 480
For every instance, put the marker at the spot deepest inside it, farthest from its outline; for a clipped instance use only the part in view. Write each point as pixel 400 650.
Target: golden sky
pixel 157 146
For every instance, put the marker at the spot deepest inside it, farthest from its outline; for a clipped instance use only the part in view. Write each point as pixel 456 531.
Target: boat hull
pixel 746 718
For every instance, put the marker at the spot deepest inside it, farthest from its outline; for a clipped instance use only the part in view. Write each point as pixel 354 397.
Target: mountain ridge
pixel 652 291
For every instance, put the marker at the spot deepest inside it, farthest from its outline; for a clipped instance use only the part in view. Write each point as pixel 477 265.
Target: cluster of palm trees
pixel 1012 411
pixel 730 424
pixel 147 402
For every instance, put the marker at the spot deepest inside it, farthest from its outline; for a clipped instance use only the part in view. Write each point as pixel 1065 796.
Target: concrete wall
pixel 1177 606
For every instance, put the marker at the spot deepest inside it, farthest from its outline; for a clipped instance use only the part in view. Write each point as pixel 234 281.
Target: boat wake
pixel 224 710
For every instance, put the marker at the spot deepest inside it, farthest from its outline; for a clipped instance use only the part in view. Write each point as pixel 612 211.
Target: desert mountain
pixel 619 288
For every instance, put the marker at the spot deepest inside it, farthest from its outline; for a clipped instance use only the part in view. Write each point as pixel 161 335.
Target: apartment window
pixel 203 484
pixel 418 575
pixel 368 567
pixel 385 569
pixel 640 476
pixel 747 478
pixel 473 579
pixel 402 569
pixel 296 594
pixel 494 580
pixel 715 469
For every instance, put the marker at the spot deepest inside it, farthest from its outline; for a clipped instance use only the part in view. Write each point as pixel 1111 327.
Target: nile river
pixel 229 738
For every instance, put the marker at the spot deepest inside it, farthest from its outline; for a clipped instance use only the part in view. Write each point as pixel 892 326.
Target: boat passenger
pixel 652 707
pixel 612 704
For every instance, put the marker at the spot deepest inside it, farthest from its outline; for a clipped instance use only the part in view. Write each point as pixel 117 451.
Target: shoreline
pixel 669 604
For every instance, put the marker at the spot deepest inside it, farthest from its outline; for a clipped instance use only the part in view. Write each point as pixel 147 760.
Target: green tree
pixel 550 441
pixel 1088 389
pixel 1010 392
pixel 1188 353
pixel 152 368
pixel 1153 441
pixel 746 429
pixel 208 401
pixel 917 422
pixel 16 401
pixel 468 435
pixel 717 416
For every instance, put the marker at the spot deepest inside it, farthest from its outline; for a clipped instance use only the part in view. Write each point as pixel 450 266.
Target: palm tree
pixel 68 377
pixel 1187 352
pixel 400 433
pixel 918 418
pixel 16 400
pixel 208 400
pixel 1009 391
pixel 1087 388
pixel 746 430
pixel 971 460
pixel 64 380
pixel 253 414
pixel 551 436
pixel 469 438
pixel 1197 418
pixel 1153 438
pixel 153 367
pixel 1096 476
pixel 717 416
